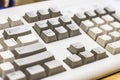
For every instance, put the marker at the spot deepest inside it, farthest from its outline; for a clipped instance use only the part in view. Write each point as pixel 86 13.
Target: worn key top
pixel 54 12
pixel 4 24
pixel 40 58
pixel 14 32
pixel 29 50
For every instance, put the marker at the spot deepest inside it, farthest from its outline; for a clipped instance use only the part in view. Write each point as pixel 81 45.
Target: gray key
pixel 35 72
pixel 54 12
pixel 116 16
pixel 99 53
pixel 43 14
pixel 29 50
pixel 64 20
pixel 40 26
pixel 14 32
pixel 40 58
pixel 100 12
pixel 73 61
pixel 53 67
pixel 31 17
pixel 78 17
pixel 87 57
pixel 77 47
pixel 48 36
pixel 73 30
pixel 109 9
pixel 90 14
pixel 61 33
pixel 53 22
pixel 17 75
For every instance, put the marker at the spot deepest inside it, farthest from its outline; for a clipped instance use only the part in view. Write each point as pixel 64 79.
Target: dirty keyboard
pixel 53 43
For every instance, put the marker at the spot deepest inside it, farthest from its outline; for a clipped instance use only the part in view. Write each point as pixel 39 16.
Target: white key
pixel 86 25
pixel 6 56
pixel 115 35
pixel 98 21
pixel 6 68
pixel 115 25
pixel 3 24
pixel 108 18
pixel 114 47
pixel 14 20
pixel 106 28
pixel 10 44
pixel 95 32
pixel 103 40
pixel 27 39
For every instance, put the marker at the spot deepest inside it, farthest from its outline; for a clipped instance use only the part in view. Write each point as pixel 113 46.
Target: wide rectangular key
pixel 28 50
pixel 4 24
pixel 14 32
pixel 17 75
pixel 40 58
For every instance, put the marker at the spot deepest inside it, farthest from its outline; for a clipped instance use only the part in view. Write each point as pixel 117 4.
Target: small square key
pixel 106 28
pixel 115 35
pixel 98 21
pixel 99 53
pixel 87 57
pixel 73 61
pixel 77 47
pixel 43 14
pixel 86 25
pixel 115 25
pixel 14 21
pixel 35 72
pixel 103 40
pixel 48 36
pixel 95 32
pixel 73 30
pixel 64 20
pixel 100 12
pixel 90 14
pixel 109 9
pixel 61 33
pixel 53 67
pixel 107 18
pixel 54 12
pixel 17 75
pixel 4 24
pixel 31 17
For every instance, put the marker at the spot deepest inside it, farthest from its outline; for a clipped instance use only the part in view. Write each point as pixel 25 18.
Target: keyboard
pixel 60 40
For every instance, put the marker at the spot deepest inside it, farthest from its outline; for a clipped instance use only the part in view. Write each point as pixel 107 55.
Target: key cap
pixel 73 30
pixel 98 21
pixel 90 14
pixel 53 67
pixel 27 39
pixel 14 32
pixel 79 17
pixel 6 56
pixel 31 16
pixel 43 14
pixel 116 17
pixel 115 35
pixel 40 58
pixel 10 44
pixel 53 22
pixel 87 57
pixel 113 47
pixel 103 40
pixel 100 12
pixel 4 24
pixel 64 20
pixel 14 20
pixel 107 18
pixel 75 48
pixel 6 68
pixel 48 36
pixel 35 72
pixel 95 32
pixel 106 28
pixel 73 61
pixel 17 75
pixel 54 12
pixel 29 50
pixel 1 47
pixel 1 38
pixel 86 25
pixel 61 33
pixel 99 53
pixel 109 9
pixel 115 25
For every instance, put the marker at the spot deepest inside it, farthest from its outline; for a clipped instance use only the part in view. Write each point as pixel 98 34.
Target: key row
pixel 81 56
pixel 42 14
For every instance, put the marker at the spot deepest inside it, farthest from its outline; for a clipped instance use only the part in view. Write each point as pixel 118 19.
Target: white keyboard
pixel 60 40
